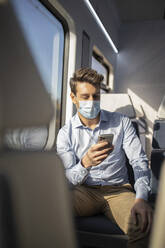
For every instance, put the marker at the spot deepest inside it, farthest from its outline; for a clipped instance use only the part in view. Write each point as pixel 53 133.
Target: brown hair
pixel 85 75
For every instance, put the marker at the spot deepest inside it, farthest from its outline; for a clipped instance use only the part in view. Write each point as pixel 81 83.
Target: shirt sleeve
pixel 138 160
pixel 75 172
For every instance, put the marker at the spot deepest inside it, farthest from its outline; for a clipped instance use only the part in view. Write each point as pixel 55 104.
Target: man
pixel 97 169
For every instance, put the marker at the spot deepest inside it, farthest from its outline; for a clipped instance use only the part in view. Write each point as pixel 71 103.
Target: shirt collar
pixel 77 123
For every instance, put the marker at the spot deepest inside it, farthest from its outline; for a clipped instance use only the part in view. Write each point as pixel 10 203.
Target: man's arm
pixel 75 172
pixel 138 160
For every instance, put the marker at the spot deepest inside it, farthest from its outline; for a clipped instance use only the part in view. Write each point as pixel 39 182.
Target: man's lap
pixel 113 201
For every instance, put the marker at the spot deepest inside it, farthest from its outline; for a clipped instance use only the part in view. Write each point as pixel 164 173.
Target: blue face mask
pixel 89 109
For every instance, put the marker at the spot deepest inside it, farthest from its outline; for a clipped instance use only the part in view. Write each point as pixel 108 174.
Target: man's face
pixel 85 92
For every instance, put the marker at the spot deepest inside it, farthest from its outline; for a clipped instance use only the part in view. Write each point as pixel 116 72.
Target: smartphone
pixel 106 137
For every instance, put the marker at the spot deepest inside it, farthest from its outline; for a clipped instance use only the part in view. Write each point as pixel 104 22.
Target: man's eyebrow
pixel 84 94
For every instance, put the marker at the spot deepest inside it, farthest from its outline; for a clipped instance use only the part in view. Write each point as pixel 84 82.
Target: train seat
pixel 91 224
pixel 33 189
pixel 38 212
pixel 158 141
pixel 157 237
pixel 119 103
pixel 157 160
pixel 99 231
pixel 158 145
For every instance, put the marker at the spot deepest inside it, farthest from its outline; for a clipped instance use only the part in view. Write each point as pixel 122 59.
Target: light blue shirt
pixel 74 140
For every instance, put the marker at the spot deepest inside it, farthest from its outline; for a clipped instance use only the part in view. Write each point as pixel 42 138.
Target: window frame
pixel 101 61
pixel 109 86
pixel 59 113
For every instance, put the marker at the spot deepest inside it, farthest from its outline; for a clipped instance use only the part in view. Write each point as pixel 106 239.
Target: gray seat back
pixel 34 182
pixel 119 103
pixel 158 141
pixel 40 201
pixel 157 235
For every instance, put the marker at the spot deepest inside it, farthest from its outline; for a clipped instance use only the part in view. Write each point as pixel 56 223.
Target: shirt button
pixel 83 171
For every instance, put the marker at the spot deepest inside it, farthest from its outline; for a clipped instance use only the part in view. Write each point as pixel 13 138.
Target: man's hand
pixel 96 154
pixel 142 208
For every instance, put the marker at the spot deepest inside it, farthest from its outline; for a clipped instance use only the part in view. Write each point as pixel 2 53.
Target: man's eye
pixel 85 97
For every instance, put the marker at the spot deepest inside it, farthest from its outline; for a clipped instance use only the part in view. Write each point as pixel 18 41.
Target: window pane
pixel 96 65
pixel 45 37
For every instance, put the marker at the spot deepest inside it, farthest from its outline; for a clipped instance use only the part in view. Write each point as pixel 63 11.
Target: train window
pixel 44 35
pixel 99 65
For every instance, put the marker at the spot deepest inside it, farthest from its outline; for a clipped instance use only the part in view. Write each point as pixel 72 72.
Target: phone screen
pixel 106 137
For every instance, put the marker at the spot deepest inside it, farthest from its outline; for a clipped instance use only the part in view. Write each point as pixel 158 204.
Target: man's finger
pixel 150 218
pixel 144 221
pixel 100 158
pixel 99 145
pixel 134 217
pixel 99 153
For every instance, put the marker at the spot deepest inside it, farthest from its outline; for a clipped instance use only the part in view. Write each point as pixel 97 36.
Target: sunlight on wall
pixel 144 110
pixel 71 69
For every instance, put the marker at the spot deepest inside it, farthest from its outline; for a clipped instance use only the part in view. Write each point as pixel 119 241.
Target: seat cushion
pixel 159 135
pixel 97 224
pixel 157 160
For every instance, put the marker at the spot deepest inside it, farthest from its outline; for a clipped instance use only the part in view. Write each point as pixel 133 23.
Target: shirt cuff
pixel 83 172
pixel 142 193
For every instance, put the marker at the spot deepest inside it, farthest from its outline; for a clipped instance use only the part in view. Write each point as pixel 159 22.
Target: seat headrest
pixel 161 110
pixel 119 103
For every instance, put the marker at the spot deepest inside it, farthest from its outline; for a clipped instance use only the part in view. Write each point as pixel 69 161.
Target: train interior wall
pixel 140 68
pixel 139 65
pixel 84 21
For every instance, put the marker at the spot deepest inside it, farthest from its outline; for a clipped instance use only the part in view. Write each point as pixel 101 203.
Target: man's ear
pixel 73 97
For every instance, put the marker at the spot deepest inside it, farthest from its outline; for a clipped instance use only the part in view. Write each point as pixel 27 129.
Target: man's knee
pixel 136 237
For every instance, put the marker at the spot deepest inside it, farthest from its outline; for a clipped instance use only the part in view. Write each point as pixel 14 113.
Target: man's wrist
pixel 142 194
pixel 140 200
pixel 84 163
